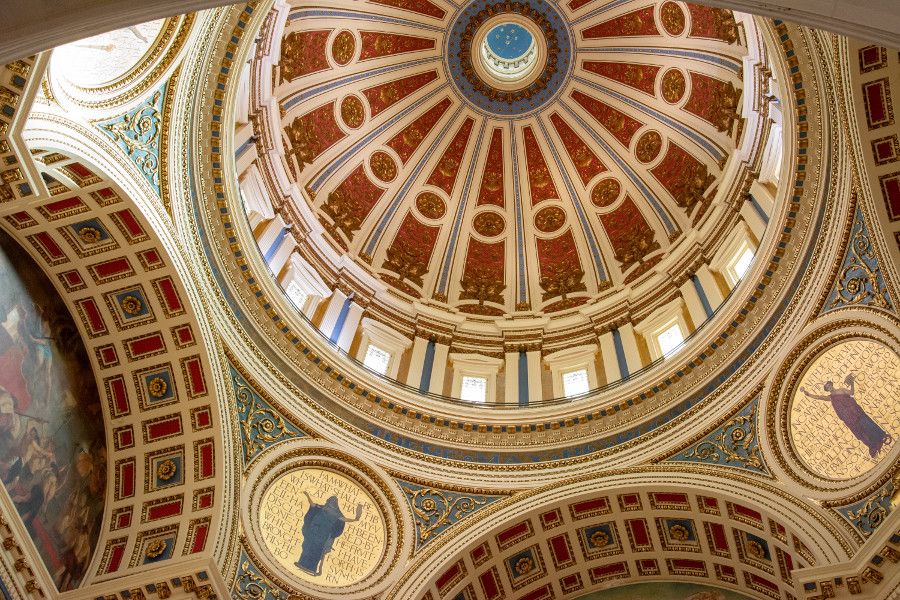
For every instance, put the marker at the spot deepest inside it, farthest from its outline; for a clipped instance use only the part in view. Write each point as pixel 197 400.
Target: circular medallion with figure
pixel 322 527
pixel 844 418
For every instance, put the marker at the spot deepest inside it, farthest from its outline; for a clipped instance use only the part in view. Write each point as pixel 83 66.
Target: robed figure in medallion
pixel 849 411
pixel 322 525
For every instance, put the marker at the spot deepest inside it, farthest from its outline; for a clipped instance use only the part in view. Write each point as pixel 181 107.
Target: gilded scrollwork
pixel 860 281
pixel 868 514
pixel 735 443
pixel 482 286
pixel 139 133
pixel 436 510
pixel 252 585
pixel 562 280
pixel 304 142
pixel 260 424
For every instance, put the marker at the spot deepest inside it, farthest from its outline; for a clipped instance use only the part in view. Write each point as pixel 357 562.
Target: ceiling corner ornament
pixel 868 514
pixel 436 510
pixel 735 443
pixel 139 134
pixel 261 425
pixel 860 281
pixel 252 584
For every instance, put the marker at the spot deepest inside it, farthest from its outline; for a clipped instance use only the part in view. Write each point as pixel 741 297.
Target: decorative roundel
pixel 324 522
pixel 649 146
pixel 606 192
pixel 549 219
pixel 132 305
pixel 673 19
pixel 353 114
pixel 383 166
pixel 431 205
pixel 599 539
pixel 322 526
pixel 755 549
pixel 488 224
pixel 673 85
pixel 844 417
pixel 343 47
pixel 679 532
pixel 508 59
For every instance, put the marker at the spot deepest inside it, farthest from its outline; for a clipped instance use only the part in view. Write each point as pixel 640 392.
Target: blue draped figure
pixel 322 525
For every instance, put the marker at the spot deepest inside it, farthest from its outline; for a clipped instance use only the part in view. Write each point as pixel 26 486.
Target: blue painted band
pixel 703 299
pixel 759 209
pixel 523 378
pixel 427 367
pixel 276 244
pixel 342 318
pixel 620 353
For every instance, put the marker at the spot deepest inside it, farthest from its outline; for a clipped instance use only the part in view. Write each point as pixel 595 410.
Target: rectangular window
pixel 377 359
pixel 575 383
pixel 670 339
pixel 474 389
pixel 296 294
pixel 742 264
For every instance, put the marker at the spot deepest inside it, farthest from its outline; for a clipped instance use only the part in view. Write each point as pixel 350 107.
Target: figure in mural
pixel 52 450
pixel 852 414
pixel 322 525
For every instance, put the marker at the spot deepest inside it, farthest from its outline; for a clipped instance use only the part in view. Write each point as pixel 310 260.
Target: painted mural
pixel 52 445
pixel 664 591
pixel 845 416
pixel 322 527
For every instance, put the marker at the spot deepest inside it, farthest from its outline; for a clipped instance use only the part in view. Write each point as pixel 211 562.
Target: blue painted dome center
pixel 509 40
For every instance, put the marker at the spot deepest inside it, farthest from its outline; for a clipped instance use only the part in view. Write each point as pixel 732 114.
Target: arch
pixel 662 523
pixel 152 363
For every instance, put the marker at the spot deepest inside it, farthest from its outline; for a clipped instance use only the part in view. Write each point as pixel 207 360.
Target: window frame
pixel 475 365
pixel 569 360
pixel 660 321
pixel 378 350
pixel 386 339
pixel 664 329
pixel 462 387
pixel 730 252
pixel 587 382
pixel 300 273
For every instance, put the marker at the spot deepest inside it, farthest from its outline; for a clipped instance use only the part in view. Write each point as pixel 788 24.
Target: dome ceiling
pixel 499 159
